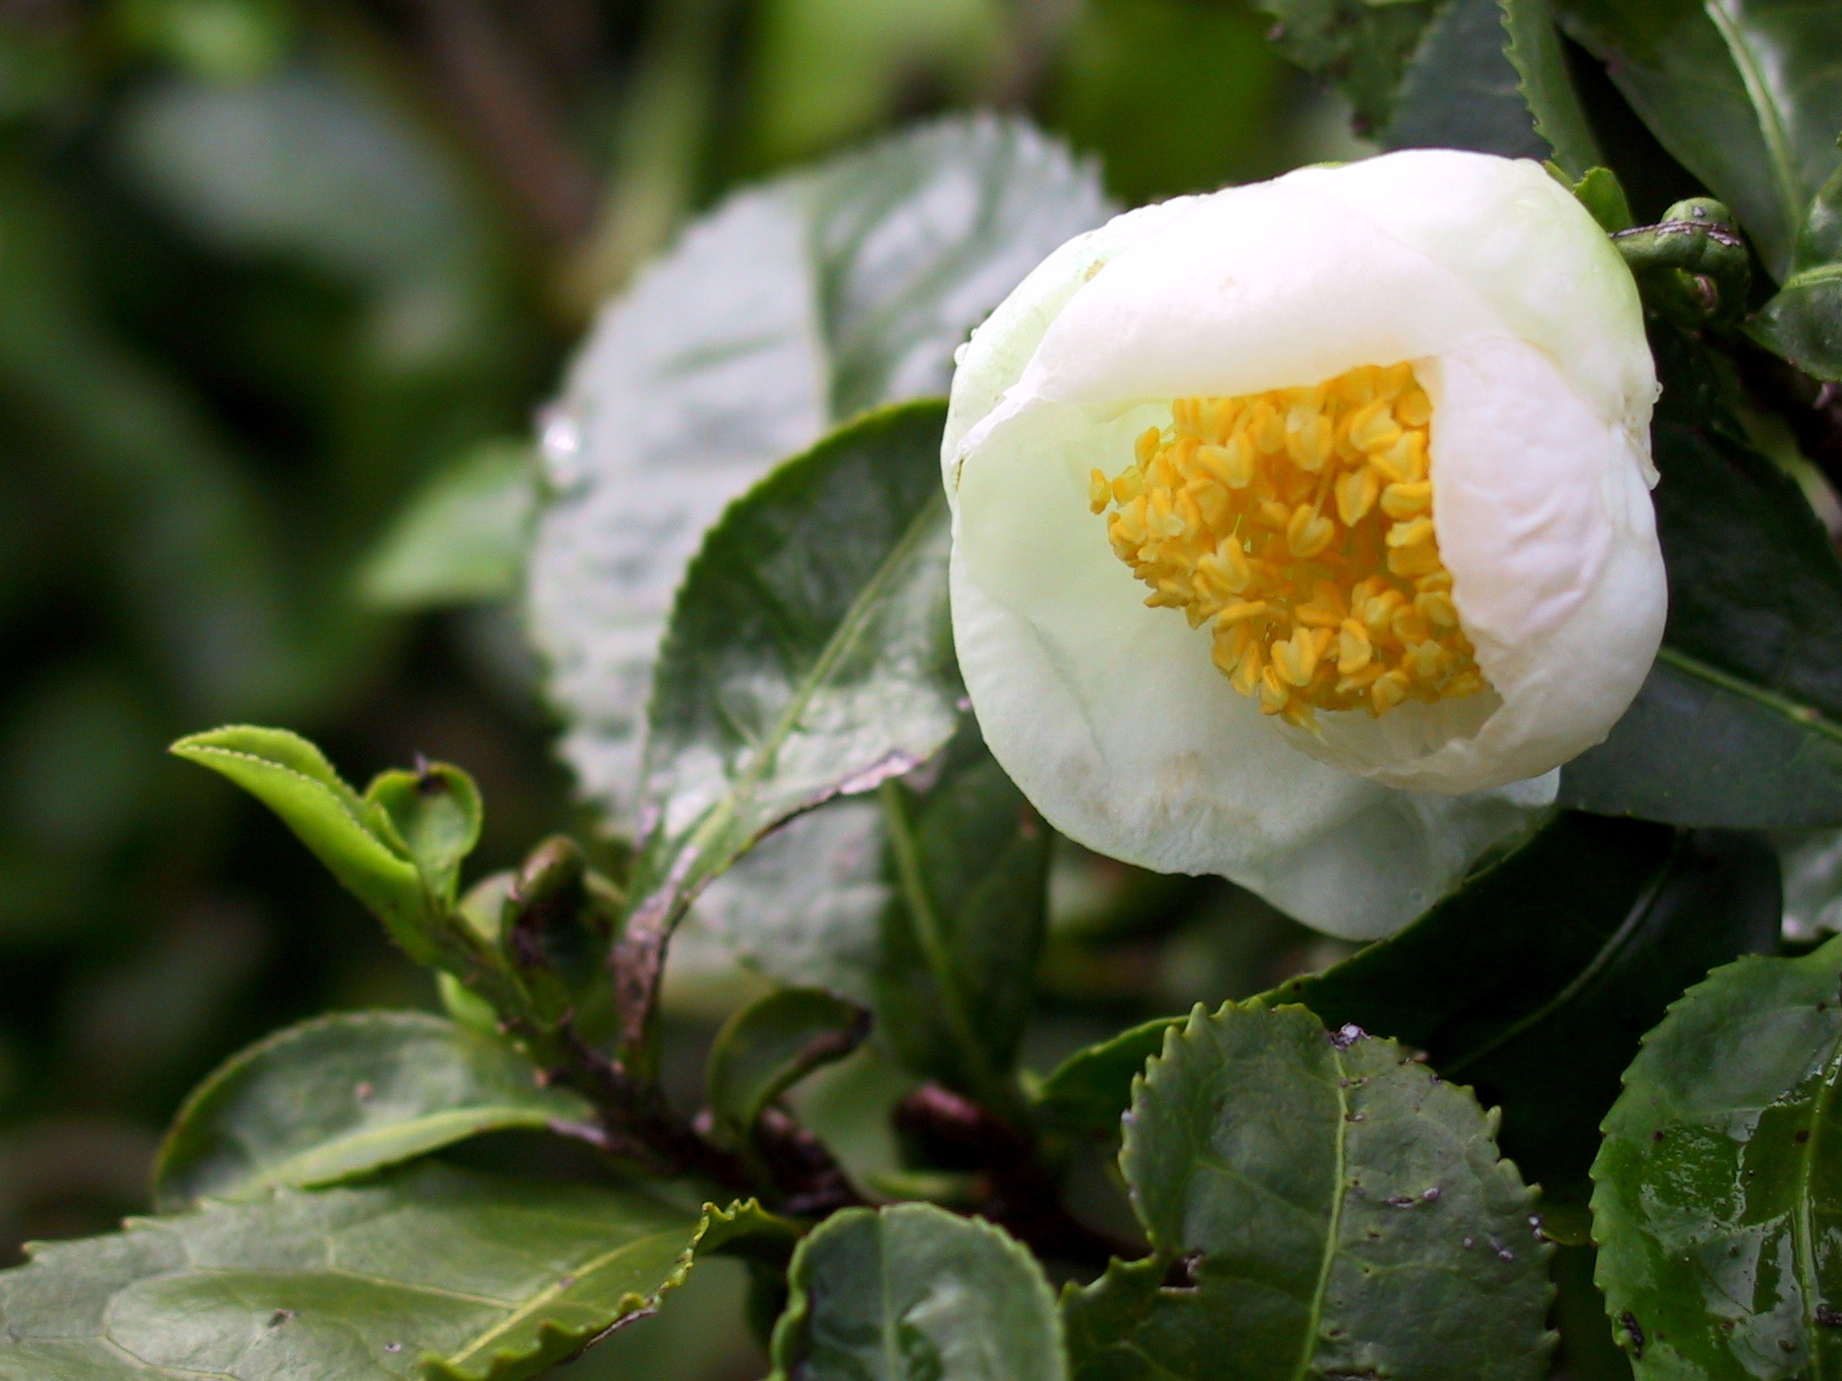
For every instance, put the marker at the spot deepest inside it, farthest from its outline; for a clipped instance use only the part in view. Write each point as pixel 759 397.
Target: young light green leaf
pixel 1740 723
pixel 770 1045
pixel 1460 90
pixel 1804 321
pixel 463 538
pixel 1364 49
pixel 432 815
pixel 1719 1191
pixel 1747 94
pixel 914 1291
pixel 341 1096
pixel 968 862
pixel 292 778
pixel 809 656
pixel 1533 981
pixel 430 1273
pixel 790 308
pixel 1601 193
pixel 1336 1209
pixel 1535 52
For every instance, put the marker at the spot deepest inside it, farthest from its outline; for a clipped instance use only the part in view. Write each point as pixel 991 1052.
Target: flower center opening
pixel 1299 525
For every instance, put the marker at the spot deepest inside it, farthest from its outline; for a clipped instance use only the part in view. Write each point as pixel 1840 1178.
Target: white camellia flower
pixel 1301 531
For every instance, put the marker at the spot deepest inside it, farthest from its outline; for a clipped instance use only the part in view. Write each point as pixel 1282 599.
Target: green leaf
pixel 770 1045
pixel 1601 193
pixel 1719 1193
pixel 913 1291
pixel 790 308
pixel 343 1095
pixel 1363 49
pixel 808 656
pixel 463 538
pixel 1535 52
pixel 969 864
pixel 292 778
pixel 1461 89
pixel 1804 321
pixel 1746 94
pixel 1090 1090
pixel 433 816
pixel 430 1273
pixel 1740 723
pixel 1534 980
pixel 1337 1210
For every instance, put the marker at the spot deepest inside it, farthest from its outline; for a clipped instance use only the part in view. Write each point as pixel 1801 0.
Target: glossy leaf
pixel 770 1045
pixel 344 1095
pixel 1363 49
pixel 790 308
pixel 1746 94
pixel 1541 67
pixel 292 778
pixel 1740 723
pixel 1804 321
pixel 431 1273
pixel 1461 89
pixel 808 656
pixel 913 1291
pixel 1718 1203
pixel 1337 1210
pixel 432 815
pixel 1534 980
pixel 968 862
pixel 463 539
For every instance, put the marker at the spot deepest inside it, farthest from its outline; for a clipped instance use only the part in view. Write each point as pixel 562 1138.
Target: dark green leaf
pixel 1090 1091
pixel 1363 49
pixel 343 1095
pixel 463 538
pixel 430 1273
pixel 1336 1210
pixel 770 1045
pixel 808 654
pixel 1740 723
pixel 787 310
pixel 969 864
pixel 1719 1191
pixel 1535 52
pixel 1461 90
pixel 1588 1350
pixel 1534 980
pixel 433 816
pixel 912 1292
pixel 1747 94
pixel 1804 321
pixel 292 778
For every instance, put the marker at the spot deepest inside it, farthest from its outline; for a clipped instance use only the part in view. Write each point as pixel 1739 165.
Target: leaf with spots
pixel 1718 1203
pixel 343 1095
pixel 1318 1205
pixel 430 1274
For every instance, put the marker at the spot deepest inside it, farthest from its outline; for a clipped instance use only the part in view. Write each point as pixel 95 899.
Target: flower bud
pixel 1301 530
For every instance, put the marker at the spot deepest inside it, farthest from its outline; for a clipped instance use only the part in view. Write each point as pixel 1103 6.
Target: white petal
pixel 1111 718
pixel 1525 244
pixel 1545 523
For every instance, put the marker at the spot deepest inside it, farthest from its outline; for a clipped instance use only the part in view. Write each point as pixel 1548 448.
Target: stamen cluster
pixel 1298 524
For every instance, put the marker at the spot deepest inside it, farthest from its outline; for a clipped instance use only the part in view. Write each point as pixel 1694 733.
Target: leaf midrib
pixel 1804 716
pixel 1334 1230
pixel 287 1172
pixel 849 630
pixel 1803 1228
pixel 1771 123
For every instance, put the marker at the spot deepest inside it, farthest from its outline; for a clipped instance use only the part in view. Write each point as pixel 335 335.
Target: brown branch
pixel 1021 1196
pixel 497 91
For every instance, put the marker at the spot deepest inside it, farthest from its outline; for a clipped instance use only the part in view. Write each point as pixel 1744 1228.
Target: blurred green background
pixel 267 267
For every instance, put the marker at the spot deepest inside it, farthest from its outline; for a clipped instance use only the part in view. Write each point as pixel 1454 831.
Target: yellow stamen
pixel 1299 527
